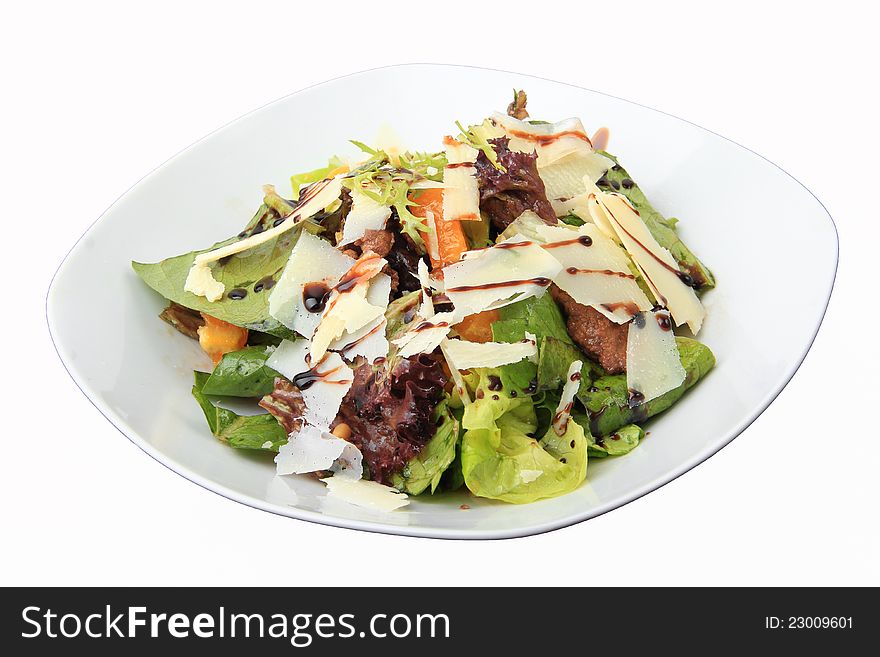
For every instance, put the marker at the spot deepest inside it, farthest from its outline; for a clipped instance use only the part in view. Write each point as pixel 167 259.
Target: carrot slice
pixel 451 240
pixel 217 337
pixel 478 328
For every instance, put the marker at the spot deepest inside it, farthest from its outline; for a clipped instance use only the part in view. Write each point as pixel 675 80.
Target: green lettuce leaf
pixel 556 350
pixel 309 177
pixel 661 228
pixel 426 469
pixel 502 460
pixel 606 400
pixel 554 359
pixel 538 315
pixel 249 271
pixel 260 432
pixel 621 442
pixel 242 373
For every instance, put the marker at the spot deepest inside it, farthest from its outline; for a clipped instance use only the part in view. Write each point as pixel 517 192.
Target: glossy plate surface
pixel 770 243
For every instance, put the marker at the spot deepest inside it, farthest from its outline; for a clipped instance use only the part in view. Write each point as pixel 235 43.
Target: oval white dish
pixel 769 241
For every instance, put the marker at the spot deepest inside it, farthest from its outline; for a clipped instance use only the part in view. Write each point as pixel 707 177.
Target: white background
pixel 95 95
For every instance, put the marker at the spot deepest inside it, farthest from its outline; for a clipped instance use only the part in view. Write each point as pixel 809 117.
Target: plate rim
pixel 414 530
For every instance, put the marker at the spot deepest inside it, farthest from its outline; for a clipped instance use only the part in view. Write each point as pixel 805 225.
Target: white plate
pixel 768 240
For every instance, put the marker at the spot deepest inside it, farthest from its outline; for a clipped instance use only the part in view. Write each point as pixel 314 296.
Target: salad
pixel 492 315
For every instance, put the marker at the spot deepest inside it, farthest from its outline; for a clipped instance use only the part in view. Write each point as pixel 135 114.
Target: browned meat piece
pixel 601 339
pixel 286 403
pixel 185 320
pixel 377 241
pixel 504 195
pixel 403 258
pixel 517 108
pixel 390 414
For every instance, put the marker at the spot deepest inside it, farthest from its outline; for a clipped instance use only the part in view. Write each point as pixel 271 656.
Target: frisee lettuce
pixel 390 186
pixel 475 137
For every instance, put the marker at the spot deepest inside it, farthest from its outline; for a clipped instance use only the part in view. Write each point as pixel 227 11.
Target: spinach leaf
pixel 242 373
pixel 249 271
pixel 261 432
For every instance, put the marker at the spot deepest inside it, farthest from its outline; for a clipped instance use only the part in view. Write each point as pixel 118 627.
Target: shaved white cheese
pixel 551 141
pixel 369 341
pixel 464 355
pixel 531 337
pixel 653 364
pixel 656 264
pixel 569 390
pixel 379 290
pixel 525 225
pixel 427 184
pixel 290 358
pixel 425 335
pixel 329 382
pixel 431 239
pixel 324 397
pixel 201 281
pixel 368 494
pixel 312 449
pixel 312 260
pixel 348 308
pixel 595 271
pixel 389 141
pixel 565 154
pixel 512 270
pixel 426 310
pixel 350 463
pixel 461 194
pixel 457 378
pixel 564 179
pixel 365 214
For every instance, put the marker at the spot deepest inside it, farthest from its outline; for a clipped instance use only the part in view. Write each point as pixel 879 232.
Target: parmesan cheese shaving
pixel 365 214
pixel 499 275
pixel 368 494
pixel 312 260
pixel 565 153
pixel 464 355
pixel 348 308
pixel 427 308
pixel 457 378
pixel 564 178
pixel 329 384
pixel 200 280
pixel 656 264
pixel 563 410
pixel 368 341
pixel 426 334
pixel 595 271
pixel 653 364
pixel 461 194
pixel 313 450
